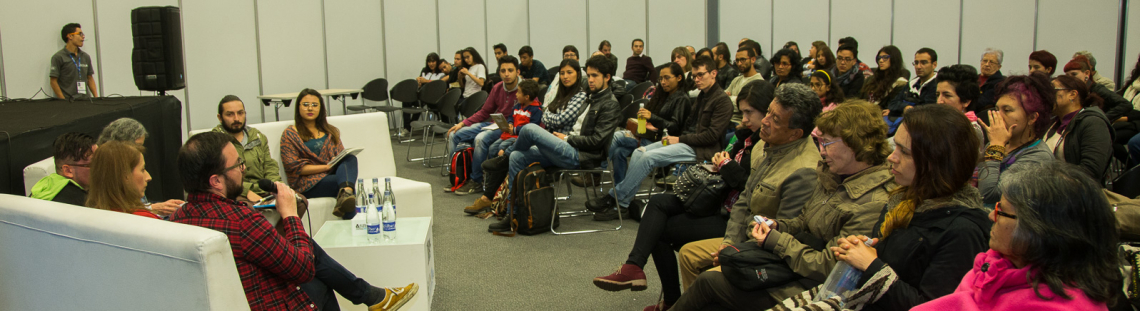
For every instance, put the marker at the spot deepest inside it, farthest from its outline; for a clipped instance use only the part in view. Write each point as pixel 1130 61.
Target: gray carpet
pixel 479 271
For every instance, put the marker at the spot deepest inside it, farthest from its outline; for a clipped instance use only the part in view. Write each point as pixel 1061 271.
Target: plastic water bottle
pixel 665 142
pixel 389 213
pixel 360 221
pixel 373 219
pixel 843 278
pixel 641 121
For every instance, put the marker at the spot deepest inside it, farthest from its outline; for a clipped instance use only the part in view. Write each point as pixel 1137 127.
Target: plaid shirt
pixel 270 266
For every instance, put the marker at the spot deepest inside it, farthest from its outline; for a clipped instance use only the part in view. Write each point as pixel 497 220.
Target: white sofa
pixel 63 257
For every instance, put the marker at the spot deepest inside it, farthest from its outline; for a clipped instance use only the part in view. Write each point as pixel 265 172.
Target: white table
pixel 283 99
pixel 409 258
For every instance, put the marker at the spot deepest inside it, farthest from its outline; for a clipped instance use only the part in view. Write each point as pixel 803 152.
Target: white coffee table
pixel 409 258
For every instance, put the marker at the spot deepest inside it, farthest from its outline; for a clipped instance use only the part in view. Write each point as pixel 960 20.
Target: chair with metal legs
pixel 407 93
pixel 563 176
pixel 448 107
pixel 469 107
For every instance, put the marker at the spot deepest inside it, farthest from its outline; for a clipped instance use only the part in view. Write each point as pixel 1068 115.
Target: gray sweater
pixel 989 172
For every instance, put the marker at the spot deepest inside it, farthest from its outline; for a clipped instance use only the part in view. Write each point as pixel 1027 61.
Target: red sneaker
pixel 626 277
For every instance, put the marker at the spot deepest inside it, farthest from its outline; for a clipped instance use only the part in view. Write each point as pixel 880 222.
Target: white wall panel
pixel 672 23
pixel 746 19
pixel 1015 38
pixel 354 33
pixel 556 27
pixel 31 34
pixel 869 22
pixel 1067 27
pixel 799 21
pixel 926 23
pixel 507 22
pixel 1131 43
pixel 461 25
pixel 221 59
pixel 619 21
pixel 292 49
pixel 407 45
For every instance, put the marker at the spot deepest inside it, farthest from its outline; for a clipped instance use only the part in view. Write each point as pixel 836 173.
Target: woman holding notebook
pixel 307 148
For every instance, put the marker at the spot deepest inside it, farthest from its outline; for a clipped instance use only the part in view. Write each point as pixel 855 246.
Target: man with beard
pixel 745 58
pixel 251 145
pixel 286 271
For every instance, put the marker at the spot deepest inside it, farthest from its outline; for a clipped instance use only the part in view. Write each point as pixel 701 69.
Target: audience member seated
pixel 745 58
pixel 1030 266
pixel 1116 108
pixel 561 115
pixel 500 51
pixel 1094 75
pixel 527 110
pixel 500 100
pixel 118 179
pixel 784 175
pixel 1080 134
pixel 762 65
pixel 1042 61
pixel 957 87
pixel 568 52
pixel 847 74
pixel 888 80
pixel 453 78
pixel 725 72
pixel 988 80
pixel 639 67
pixel 792 45
pixel 830 95
pixel 432 70
pixel 854 183
pixel 863 67
pixel 1024 110
pixel 666 111
pixel 473 72
pixel 667 225
pixel 252 146
pixel 306 149
pixel 583 147
pixel 705 127
pixel 605 49
pixel 786 63
pixel 72 177
pixel 683 57
pixel 933 225
pixel 1127 134
pixel 809 64
pixel 823 59
pixel 130 130
pixel 285 270
pixel 530 68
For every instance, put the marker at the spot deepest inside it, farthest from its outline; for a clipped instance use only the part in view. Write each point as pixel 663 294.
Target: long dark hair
pixel 431 57
pixel 659 95
pixel 475 58
pixel 796 72
pixel 885 79
pixel 834 93
pixel 1131 77
pixel 1084 256
pixel 565 93
pixel 322 121
pixel 944 148
pixel 758 94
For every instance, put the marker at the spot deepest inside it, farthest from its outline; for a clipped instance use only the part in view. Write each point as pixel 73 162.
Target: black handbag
pixel 701 190
pixel 750 267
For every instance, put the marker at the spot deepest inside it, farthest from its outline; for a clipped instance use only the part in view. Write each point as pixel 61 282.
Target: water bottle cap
pixel 387 179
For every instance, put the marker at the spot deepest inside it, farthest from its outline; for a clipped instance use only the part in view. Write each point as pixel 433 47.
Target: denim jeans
pixel 331 276
pixel 535 144
pixel 501 144
pixel 621 147
pixel 343 173
pixel 482 142
pixel 465 134
pixel 1134 148
pixel 642 162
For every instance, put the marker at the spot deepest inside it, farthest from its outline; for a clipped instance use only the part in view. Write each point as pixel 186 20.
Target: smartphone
pixel 761 219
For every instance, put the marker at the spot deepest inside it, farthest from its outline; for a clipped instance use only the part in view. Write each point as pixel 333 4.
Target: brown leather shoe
pixel 481 204
pixel 345 202
pixel 590 180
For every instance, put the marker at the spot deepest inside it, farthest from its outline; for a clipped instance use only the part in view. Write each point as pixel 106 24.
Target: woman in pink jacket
pixel 1053 246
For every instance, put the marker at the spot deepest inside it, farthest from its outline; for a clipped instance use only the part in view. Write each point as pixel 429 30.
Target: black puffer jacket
pixel 602 116
pixel 933 252
pixel 670 115
pixel 1088 142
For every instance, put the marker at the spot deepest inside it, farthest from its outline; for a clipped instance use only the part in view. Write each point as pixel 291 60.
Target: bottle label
pixel 390 226
pixel 374 229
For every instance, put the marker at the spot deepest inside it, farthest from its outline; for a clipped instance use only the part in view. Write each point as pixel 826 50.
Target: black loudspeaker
pixel 157 56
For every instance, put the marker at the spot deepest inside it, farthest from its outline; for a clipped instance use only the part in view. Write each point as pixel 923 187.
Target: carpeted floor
pixel 479 271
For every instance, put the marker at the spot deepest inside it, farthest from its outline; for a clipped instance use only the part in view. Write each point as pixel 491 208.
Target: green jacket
pixel 781 182
pixel 258 162
pixel 837 208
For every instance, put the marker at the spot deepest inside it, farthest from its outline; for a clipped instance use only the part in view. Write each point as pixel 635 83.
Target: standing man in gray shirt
pixel 72 73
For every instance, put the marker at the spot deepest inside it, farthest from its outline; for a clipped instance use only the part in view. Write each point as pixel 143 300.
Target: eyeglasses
pixel 845 59
pixel 240 163
pixel 79 34
pixel 883 57
pixel 823 145
pixel 700 75
pixel 310 105
pixel 924 62
pixel 817 85
pixel 743 60
pixel 997 210
pixel 665 77
pixel 991 62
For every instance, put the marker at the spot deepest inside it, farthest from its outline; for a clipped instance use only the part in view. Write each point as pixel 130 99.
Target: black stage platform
pixel 28 128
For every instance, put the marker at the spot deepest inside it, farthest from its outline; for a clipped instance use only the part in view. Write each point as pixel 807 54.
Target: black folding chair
pixel 376 90
pixel 638 90
pixel 407 93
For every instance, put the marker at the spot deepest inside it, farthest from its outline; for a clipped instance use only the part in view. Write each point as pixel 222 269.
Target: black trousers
pixel 665 227
pixel 330 276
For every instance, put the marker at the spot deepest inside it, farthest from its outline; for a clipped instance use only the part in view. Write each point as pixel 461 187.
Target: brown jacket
pixel 782 180
pixel 837 208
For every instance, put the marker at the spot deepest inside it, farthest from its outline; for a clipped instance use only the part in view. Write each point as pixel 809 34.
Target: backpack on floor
pixel 460 166
pixel 532 199
pixel 499 206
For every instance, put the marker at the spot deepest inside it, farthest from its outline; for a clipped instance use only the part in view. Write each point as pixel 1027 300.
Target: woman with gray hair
pixel 1031 264
pixel 123 129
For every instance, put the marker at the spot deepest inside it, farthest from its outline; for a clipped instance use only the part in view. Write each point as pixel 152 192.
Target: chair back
pixel 1128 183
pixel 449 104
pixel 376 90
pixel 432 92
pixel 406 91
pixel 630 111
pixel 638 90
pixel 625 100
pixel 473 104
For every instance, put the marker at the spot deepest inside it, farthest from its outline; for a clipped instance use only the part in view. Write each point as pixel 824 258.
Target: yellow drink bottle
pixel 641 121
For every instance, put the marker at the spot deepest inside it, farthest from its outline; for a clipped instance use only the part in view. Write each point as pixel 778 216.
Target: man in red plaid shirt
pixel 278 272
